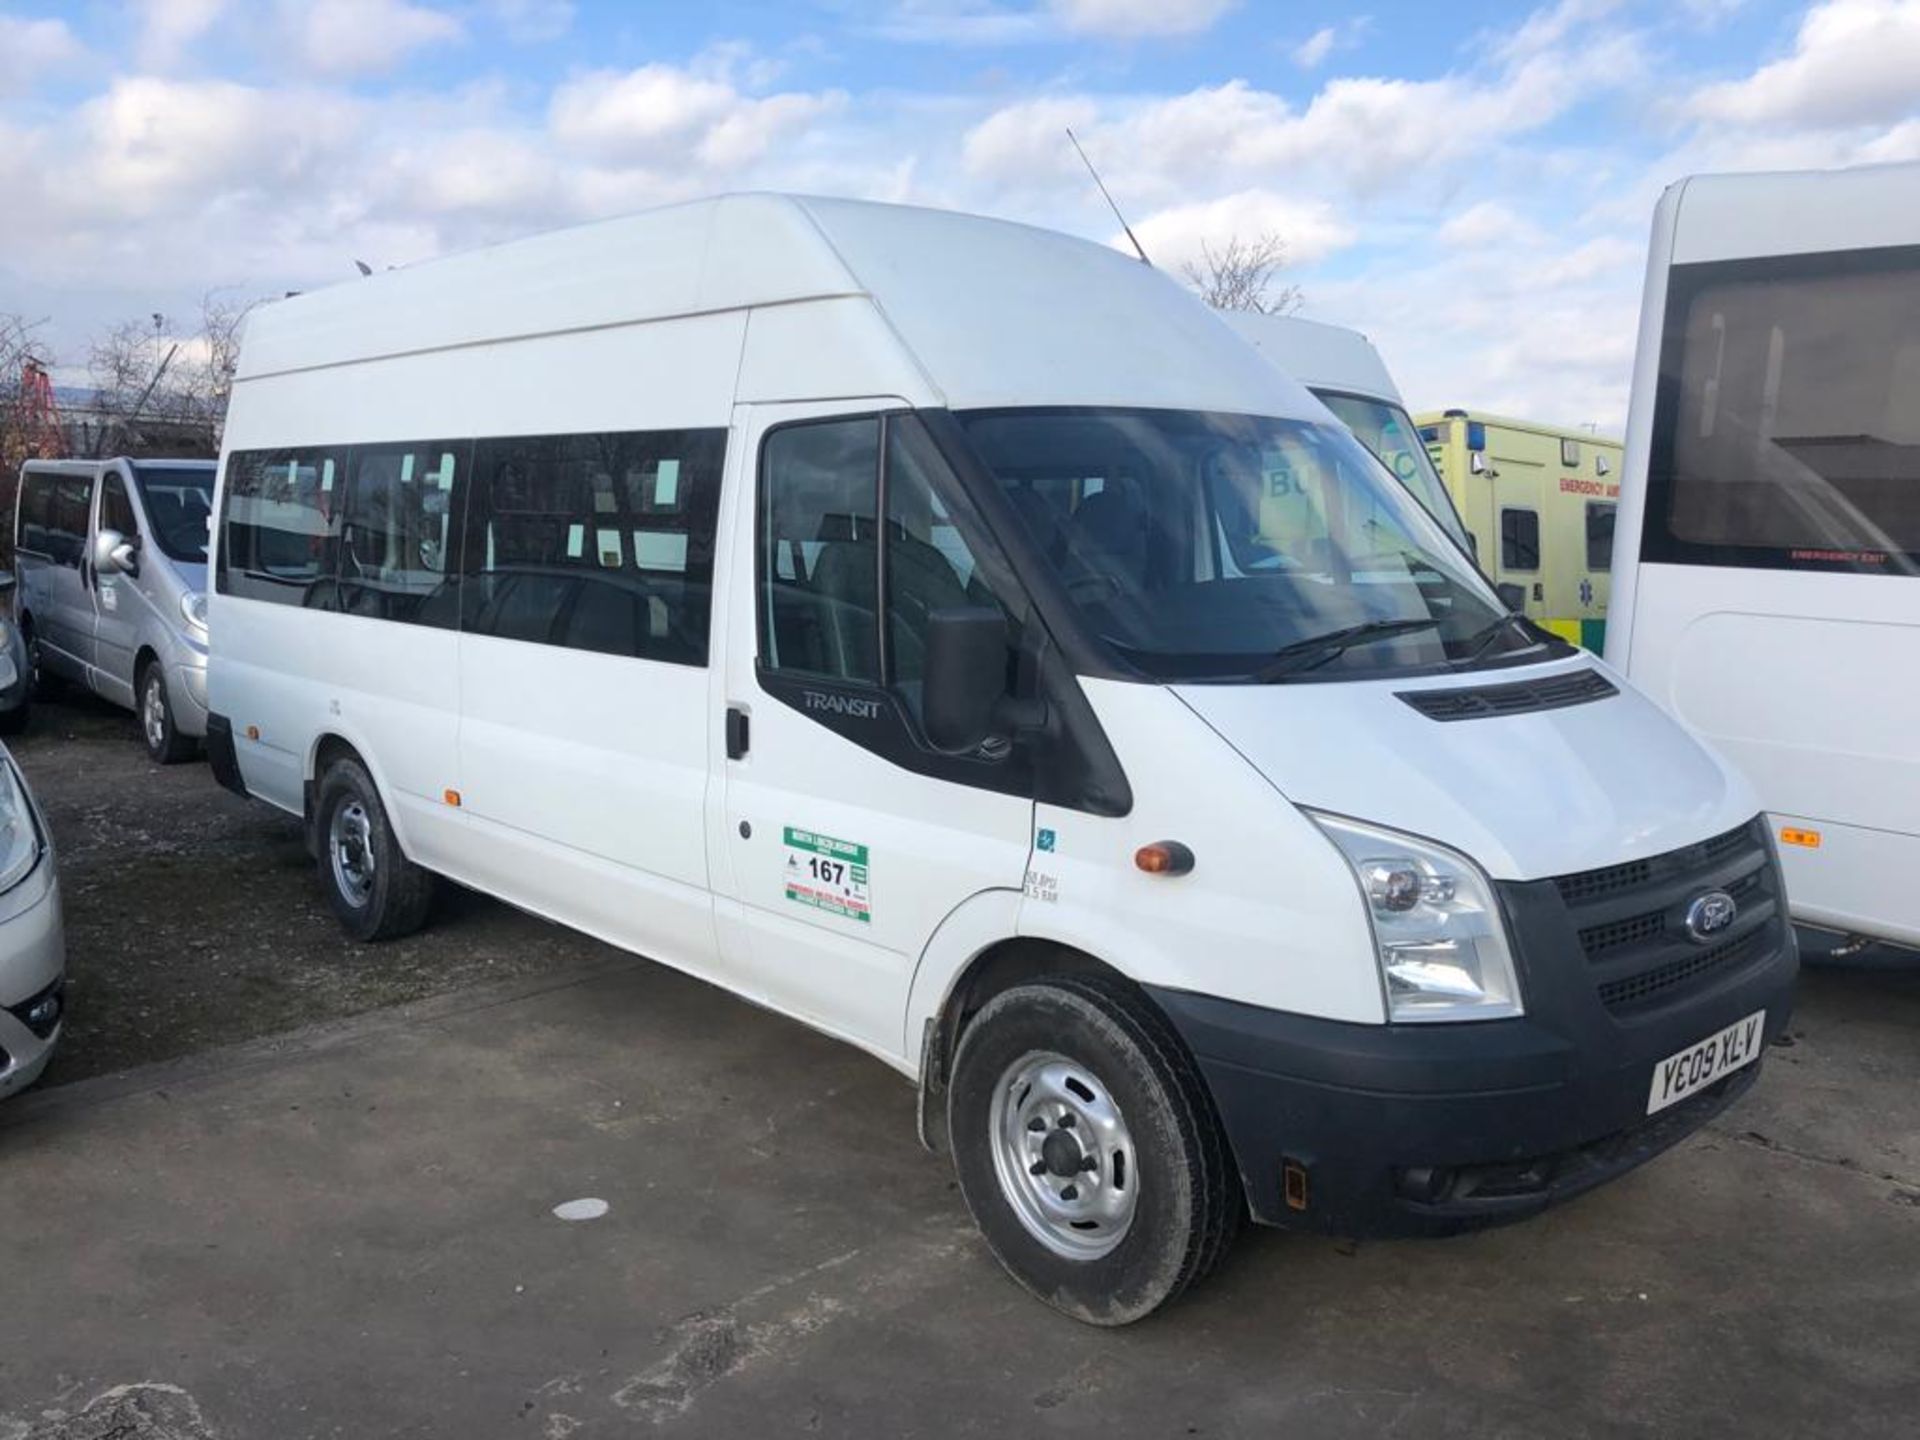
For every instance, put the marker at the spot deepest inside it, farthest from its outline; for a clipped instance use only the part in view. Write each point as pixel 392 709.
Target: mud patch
pixel 145 1411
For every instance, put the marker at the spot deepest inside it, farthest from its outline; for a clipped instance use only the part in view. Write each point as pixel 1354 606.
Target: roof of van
pixel 987 312
pixel 1794 212
pixel 1318 355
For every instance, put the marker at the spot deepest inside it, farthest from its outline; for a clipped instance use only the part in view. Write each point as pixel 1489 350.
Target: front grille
pixel 1631 918
pixel 1482 702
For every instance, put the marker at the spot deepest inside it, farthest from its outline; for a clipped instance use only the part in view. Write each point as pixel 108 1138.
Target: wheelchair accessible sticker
pixel 828 874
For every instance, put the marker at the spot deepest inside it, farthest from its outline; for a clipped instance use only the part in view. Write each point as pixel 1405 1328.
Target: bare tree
pixel 155 391
pixel 1240 275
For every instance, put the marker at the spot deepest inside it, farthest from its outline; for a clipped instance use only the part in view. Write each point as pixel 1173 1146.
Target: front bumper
pixel 188 696
pixel 33 963
pixel 1376 1130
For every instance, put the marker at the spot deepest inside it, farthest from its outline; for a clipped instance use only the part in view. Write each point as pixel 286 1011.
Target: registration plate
pixel 1698 1066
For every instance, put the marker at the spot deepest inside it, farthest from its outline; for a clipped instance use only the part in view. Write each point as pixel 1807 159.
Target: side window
pixel 280 526
pixel 929 565
pixel 596 542
pixel 36 512
pixel 116 510
pixel 398 527
pixel 1519 539
pixel 68 525
pixel 819 549
pixel 1599 536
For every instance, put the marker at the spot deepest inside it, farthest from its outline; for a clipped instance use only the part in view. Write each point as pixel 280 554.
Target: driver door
pixel 847 839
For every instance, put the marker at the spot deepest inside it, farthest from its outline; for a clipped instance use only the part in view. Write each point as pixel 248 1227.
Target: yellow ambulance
pixel 1539 502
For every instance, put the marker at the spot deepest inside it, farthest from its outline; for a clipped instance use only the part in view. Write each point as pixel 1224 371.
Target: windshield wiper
pixel 1317 650
pixel 1481 641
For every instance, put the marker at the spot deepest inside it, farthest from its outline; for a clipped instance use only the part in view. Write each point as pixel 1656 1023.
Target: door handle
pixel 738 733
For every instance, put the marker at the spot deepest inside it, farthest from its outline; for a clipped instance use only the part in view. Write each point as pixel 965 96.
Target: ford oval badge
pixel 1709 915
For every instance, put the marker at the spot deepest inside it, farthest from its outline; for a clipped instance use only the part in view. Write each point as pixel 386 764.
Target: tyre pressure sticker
pixel 828 874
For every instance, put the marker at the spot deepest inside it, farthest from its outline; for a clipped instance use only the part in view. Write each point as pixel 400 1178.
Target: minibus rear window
pixel 1787 432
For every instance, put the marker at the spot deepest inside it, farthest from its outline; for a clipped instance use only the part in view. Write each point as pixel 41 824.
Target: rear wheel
pixel 1087 1149
pixel 375 891
pixel 165 744
pixel 46 685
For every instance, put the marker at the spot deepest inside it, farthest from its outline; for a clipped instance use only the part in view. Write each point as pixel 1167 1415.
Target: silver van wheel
pixel 1063 1156
pixel 153 710
pixel 350 844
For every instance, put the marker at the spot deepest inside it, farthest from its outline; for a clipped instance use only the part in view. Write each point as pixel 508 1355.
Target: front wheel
pixel 165 744
pixel 1087 1149
pixel 375 891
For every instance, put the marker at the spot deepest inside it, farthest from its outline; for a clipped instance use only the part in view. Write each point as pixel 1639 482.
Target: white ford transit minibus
pixel 1767 561
pixel 949 634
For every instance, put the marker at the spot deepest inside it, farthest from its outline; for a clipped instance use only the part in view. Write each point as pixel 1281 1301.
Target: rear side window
pixel 596 542
pixel 1787 429
pixel 280 515
pixel 1599 536
pixel 36 533
pixel 1519 539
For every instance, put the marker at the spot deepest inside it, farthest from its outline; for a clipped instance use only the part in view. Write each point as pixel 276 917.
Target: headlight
pixel 1441 941
pixel 19 836
pixel 193 606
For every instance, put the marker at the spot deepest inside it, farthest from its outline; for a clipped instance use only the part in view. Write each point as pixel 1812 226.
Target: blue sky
pixel 1470 183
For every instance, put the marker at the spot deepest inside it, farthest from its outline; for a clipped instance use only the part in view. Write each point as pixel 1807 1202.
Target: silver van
pixel 111 557
pixel 33 948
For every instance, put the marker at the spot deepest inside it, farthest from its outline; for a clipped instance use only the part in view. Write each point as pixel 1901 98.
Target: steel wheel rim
pixel 153 712
pixel 1064 1156
pixel 350 845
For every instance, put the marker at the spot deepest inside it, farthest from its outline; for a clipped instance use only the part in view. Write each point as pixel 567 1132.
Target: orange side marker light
pixel 452 797
pixel 1793 835
pixel 1164 857
pixel 253 732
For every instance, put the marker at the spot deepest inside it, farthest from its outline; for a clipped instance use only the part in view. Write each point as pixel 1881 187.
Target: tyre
pixel 165 744
pixel 46 684
pixel 1088 1150
pixel 14 721
pixel 375 891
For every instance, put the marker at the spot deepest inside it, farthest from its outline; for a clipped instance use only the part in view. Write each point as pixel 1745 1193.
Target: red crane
pixel 40 416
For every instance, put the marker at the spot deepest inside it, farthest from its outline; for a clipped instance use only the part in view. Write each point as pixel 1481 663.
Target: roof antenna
pixel 1137 248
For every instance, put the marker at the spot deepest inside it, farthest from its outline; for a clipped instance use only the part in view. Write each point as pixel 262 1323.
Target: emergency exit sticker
pixel 828 874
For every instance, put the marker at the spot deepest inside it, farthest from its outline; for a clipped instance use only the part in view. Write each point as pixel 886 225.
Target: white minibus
pixel 947 633
pixel 1767 561
pixel 1344 372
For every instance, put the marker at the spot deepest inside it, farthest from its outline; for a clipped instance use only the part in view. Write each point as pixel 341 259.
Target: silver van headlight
pixel 19 835
pixel 193 609
pixel 1436 925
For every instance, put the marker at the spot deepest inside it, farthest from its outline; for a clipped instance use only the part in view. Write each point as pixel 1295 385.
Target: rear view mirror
pixel 966 676
pixel 126 557
pixel 111 551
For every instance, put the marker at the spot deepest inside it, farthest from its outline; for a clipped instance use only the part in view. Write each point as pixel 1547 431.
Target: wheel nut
pixel 1039 1167
pixel 1072 1192
pixel 1036 1123
pixel 1066 1121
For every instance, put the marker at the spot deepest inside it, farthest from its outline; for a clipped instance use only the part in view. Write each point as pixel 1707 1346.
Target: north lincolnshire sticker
pixel 828 874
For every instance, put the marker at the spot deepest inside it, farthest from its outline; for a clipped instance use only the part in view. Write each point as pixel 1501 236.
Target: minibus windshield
pixel 177 503
pixel 1219 547
pixel 1385 429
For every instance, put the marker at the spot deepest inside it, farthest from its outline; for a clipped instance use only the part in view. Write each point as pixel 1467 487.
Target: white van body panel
pixel 1624 785
pixel 1804 680
pixel 1319 356
pixel 1269 899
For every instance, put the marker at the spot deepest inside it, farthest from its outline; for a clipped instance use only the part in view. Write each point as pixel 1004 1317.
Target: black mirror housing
pixel 966 676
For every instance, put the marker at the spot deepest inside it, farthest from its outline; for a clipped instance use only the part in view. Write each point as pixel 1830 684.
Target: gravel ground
pixel 194 918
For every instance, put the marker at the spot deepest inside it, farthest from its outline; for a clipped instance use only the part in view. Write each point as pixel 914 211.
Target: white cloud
pixel 657 113
pixel 167 27
pixel 29 48
pixel 1173 237
pixel 1486 223
pixel 1311 53
pixel 1854 62
pixel 363 37
pixel 1139 17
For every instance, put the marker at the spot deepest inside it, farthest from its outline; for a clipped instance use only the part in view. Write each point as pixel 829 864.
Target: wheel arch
pixel 990 970
pixel 329 746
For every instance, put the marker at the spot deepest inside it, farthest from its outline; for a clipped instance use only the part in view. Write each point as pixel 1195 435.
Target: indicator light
pixel 1792 835
pixel 1164 857
pixel 452 797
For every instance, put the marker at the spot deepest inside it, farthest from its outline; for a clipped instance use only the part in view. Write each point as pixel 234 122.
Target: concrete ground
pixel 347 1229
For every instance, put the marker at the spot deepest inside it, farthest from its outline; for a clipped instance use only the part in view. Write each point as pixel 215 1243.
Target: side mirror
pixel 126 555
pixel 105 543
pixel 966 676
